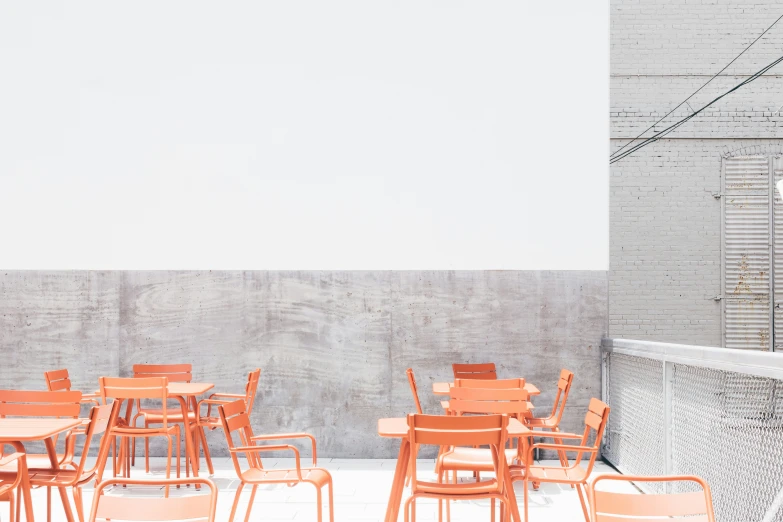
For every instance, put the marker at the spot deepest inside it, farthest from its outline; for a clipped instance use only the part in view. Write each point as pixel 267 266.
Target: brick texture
pixel 664 220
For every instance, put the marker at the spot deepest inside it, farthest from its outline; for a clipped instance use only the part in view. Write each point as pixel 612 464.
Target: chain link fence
pixel 675 412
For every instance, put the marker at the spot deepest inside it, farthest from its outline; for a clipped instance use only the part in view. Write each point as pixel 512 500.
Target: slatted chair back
pixel 445 430
pixel 235 418
pixel 58 380
pixel 251 388
pixel 595 423
pixel 484 371
pixel 611 506
pixel 157 508
pixel 100 416
pixel 414 389
pixel 122 389
pixel 489 384
pixel 509 401
pixel 563 389
pixel 24 403
pixel 173 372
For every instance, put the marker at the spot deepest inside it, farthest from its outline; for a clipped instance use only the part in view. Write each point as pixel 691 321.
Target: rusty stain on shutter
pixel 746 253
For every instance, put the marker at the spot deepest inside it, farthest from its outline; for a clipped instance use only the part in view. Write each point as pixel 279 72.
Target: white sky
pixel 304 135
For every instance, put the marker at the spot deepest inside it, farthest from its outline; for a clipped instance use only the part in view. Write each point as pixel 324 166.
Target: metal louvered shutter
pixel 747 253
pixel 777 255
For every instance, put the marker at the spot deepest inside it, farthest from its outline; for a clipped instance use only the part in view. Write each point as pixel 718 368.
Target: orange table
pixel 183 392
pixel 397 428
pixel 15 431
pixel 442 388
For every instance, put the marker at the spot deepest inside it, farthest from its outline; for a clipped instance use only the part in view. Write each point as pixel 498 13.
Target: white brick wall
pixel 665 222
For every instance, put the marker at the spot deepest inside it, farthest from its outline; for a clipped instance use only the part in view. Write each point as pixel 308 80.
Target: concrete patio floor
pixel 361 492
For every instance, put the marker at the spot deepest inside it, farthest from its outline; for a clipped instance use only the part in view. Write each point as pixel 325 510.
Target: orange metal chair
pixel 154 416
pixel 485 371
pixel 23 403
pixel 444 430
pixel 11 481
pixel 595 423
pixel 414 389
pixel 139 508
pixel 552 422
pixel 60 380
pixel 122 389
pixel 213 422
pixel 75 478
pixel 234 418
pixel 607 506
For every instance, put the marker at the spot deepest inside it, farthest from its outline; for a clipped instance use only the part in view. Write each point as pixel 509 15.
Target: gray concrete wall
pixel 665 224
pixel 333 346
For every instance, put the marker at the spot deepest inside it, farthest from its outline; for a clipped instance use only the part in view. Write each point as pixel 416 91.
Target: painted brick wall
pixel 665 222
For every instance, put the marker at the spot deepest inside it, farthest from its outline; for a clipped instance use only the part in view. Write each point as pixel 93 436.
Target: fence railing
pixel 712 412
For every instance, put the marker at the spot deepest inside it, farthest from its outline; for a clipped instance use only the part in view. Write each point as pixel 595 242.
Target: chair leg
pixel 408 506
pixel 207 455
pixel 133 457
pixel 319 516
pixel 179 447
pixel 331 501
pixel 492 510
pixel 48 504
pixel 77 500
pixel 146 450
pixel 582 500
pixel 524 483
pixel 250 504
pixel 236 502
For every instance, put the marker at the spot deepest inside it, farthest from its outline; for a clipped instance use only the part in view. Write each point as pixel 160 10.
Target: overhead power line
pixel 672 127
pixel 685 101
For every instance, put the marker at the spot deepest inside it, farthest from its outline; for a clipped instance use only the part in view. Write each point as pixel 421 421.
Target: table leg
pixel 52 452
pixel 398 484
pixel 189 445
pixel 27 497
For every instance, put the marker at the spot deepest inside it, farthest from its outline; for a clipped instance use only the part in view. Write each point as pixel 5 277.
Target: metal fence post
pixel 668 381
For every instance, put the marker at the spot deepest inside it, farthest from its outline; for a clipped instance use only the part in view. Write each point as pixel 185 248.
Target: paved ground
pixel 361 491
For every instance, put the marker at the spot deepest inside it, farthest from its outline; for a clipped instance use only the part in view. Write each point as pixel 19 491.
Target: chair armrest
pixel 555 435
pixel 274 447
pixel 7 459
pixel 210 401
pixel 566 447
pixel 228 395
pixel 278 436
pixel 21 466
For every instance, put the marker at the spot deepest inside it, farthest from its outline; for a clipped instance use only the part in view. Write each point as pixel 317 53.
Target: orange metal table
pixel 442 388
pixel 15 431
pixel 397 428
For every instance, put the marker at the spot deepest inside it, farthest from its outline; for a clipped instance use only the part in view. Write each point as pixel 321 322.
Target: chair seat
pixel 173 415
pixel 462 488
pixel 541 422
pixel 472 459
pixel 55 477
pixel 210 422
pixel 574 475
pixel 276 476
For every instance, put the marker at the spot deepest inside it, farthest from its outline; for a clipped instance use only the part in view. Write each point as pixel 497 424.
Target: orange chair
pixel 693 506
pixel 139 508
pixel 595 423
pixel 11 481
pixel 444 430
pixel 19 403
pixel 212 422
pixel 485 371
pixel 173 373
pixel 136 389
pixel 552 422
pixel 75 478
pixel 60 380
pixel 234 417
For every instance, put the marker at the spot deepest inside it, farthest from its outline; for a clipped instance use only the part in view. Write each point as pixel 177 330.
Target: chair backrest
pixel 138 508
pixel 131 388
pixel 489 384
pixel 611 506
pixel 251 388
pixel 475 371
pixel 58 380
pixel 234 417
pixel 510 401
pixel 414 389
pixel 23 403
pixel 445 430
pixel 563 389
pixel 173 372
pixel 595 423
pixel 100 417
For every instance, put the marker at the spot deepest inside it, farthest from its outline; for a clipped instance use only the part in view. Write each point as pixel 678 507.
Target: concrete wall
pixel 333 346
pixel 664 221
